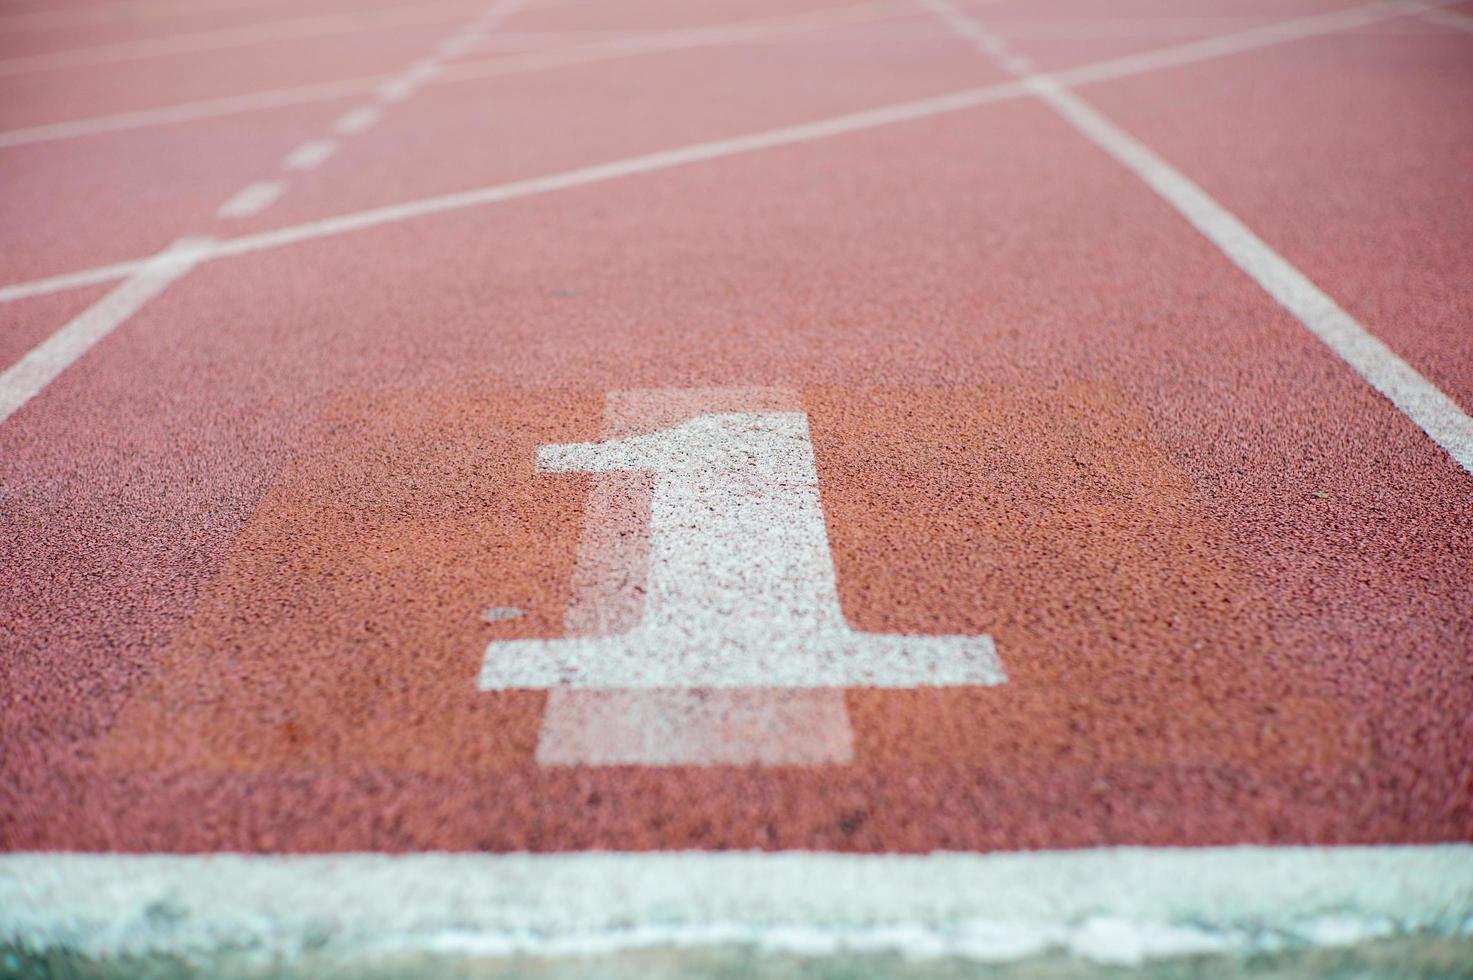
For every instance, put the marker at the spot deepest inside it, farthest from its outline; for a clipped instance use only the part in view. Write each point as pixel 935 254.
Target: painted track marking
pixel 310 154
pixel 969 98
pixel 962 99
pixel 1437 415
pixel 1118 905
pixel 357 120
pixel 704 626
pixel 739 585
pixel 406 15
pixel 45 362
pixel 251 199
pixel 656 42
pixel 24 379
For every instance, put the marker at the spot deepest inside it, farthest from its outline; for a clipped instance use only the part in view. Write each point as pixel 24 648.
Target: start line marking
pixel 704 626
pixel 1121 905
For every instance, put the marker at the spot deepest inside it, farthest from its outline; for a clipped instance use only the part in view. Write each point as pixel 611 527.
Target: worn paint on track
pixel 266 520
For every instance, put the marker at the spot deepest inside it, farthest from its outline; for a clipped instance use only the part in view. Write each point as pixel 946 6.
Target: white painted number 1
pixel 740 589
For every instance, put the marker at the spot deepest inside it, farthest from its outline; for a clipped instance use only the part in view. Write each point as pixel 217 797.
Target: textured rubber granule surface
pixel 249 540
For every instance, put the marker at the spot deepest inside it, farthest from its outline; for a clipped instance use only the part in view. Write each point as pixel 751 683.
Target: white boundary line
pixel 1437 415
pixel 1120 905
pixel 24 379
pixel 1441 418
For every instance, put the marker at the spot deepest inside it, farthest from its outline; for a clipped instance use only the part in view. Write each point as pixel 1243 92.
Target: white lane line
pixel 395 89
pixel 1442 419
pixel 424 71
pixel 251 199
pixel 404 15
pixel 26 378
pixel 189 111
pixel 310 154
pixel 43 363
pixel 456 47
pixel 93 14
pixel 357 120
pixel 1109 905
pixel 1437 415
pixel 1123 67
pixel 602 50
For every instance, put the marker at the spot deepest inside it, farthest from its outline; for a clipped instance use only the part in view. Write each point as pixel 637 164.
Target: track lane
pixel 1022 287
pixel 1346 154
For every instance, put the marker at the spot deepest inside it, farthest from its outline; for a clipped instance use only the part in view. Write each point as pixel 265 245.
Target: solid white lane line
pixel 1437 415
pixel 26 378
pixel 189 111
pixel 357 120
pixel 310 154
pixel 1108 905
pixel 1122 67
pixel 1442 419
pixel 251 199
pixel 404 15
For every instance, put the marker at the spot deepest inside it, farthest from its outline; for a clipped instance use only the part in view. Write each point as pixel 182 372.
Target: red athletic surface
pixel 244 542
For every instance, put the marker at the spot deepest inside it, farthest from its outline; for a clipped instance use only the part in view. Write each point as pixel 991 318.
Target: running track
pixel 1140 344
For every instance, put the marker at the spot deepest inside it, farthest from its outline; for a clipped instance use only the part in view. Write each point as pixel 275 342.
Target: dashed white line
pixel 26 378
pixel 424 71
pixel 395 89
pixel 1437 415
pixel 357 120
pixel 455 47
pixel 310 154
pixel 251 199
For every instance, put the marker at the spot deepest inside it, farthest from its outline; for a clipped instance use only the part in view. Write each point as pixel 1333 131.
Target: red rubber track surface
pixel 246 539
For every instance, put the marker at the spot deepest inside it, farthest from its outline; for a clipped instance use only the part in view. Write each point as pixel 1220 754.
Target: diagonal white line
pixel 1437 415
pixel 251 199
pixel 1413 394
pixel 24 379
